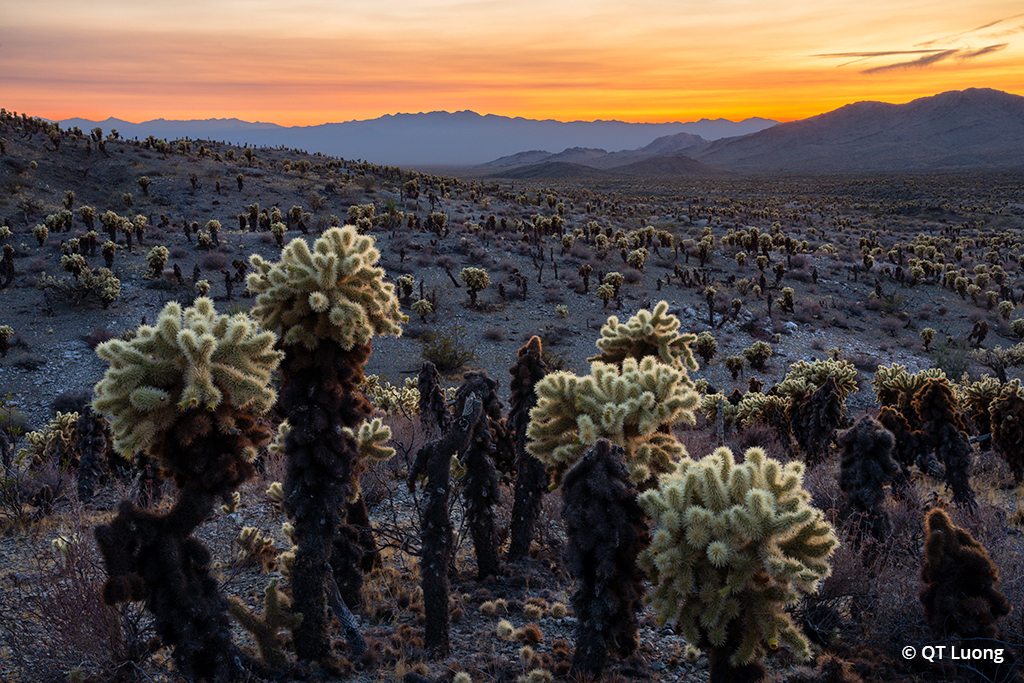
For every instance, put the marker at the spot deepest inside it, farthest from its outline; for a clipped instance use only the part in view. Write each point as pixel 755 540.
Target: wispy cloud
pixel 977 29
pixel 938 56
pixel 969 54
pixel 927 60
pixel 855 57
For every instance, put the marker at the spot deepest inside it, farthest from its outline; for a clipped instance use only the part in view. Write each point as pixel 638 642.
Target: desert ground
pixel 848 268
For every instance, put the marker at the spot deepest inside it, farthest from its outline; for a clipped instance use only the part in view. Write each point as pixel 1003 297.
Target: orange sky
pixel 316 61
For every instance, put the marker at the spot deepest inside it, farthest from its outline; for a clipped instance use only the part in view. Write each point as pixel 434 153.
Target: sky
pixel 308 62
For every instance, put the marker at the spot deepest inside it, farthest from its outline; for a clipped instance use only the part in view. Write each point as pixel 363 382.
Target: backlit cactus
pixel 194 374
pixel 328 304
pixel 627 407
pixel 186 392
pixel 804 377
pixel 334 292
pixel 733 545
pixel 648 333
pixel 1007 420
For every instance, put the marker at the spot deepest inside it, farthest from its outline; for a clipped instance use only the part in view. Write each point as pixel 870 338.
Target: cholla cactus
pixel 277 614
pixel 976 399
pixel 943 425
pixel 960 597
pixel 804 377
pixel 758 354
pixel 867 466
pixel 392 398
pixel 648 333
pixel 814 418
pixel 629 407
pixel 733 544
pixel 157 259
pixel 476 280
pixel 896 387
pixel 531 479
pixel 58 440
pixel 194 375
pixel 1007 420
pixel 422 308
pixel 186 392
pixel 6 332
pixel 336 292
pixel 606 530
pixel 328 305
pixel 705 346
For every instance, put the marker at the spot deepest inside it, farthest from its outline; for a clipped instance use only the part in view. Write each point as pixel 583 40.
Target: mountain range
pixel 434 138
pixel 968 129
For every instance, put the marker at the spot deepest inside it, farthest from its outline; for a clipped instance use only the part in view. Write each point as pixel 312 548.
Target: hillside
pixel 788 279
pixel 969 129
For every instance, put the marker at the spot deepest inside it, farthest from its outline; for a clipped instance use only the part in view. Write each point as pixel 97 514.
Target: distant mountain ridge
pixel 462 137
pixel 974 128
pixel 968 129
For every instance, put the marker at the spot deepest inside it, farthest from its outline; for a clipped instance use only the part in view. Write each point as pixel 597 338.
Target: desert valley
pixel 727 402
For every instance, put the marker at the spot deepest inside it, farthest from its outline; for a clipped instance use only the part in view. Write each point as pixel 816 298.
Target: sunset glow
pixel 648 60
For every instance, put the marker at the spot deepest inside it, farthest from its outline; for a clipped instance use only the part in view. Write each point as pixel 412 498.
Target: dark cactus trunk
pixel 92 442
pixel 434 460
pixel 480 483
pixel 320 395
pixel 434 415
pixel 154 558
pixel 531 477
pixel 721 670
pixel 607 530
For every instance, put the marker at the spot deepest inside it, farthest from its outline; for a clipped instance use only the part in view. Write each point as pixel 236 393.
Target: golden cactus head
pixel 648 333
pixel 733 543
pixel 630 406
pixel 334 292
pixel 190 360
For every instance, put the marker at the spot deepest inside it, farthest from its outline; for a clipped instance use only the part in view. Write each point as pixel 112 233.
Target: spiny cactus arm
pixel 370 437
pixel 264 630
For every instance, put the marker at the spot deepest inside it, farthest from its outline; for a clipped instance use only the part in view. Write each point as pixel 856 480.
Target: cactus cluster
pixel 648 333
pixel 637 388
pixel 733 543
pixel 56 442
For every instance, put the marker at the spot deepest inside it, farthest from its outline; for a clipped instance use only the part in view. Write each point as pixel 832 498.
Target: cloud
pixel 861 56
pixel 937 56
pixel 969 54
pixel 927 60
pixel 977 29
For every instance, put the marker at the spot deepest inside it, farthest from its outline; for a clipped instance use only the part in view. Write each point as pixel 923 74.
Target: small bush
pixel 447 349
pixel 495 334
pixel 98 336
pixel 214 261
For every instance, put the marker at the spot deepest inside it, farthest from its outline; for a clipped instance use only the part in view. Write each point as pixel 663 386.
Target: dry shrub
pixel 553 293
pixel 55 621
pixel 495 334
pixel 214 260
pixel 98 336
